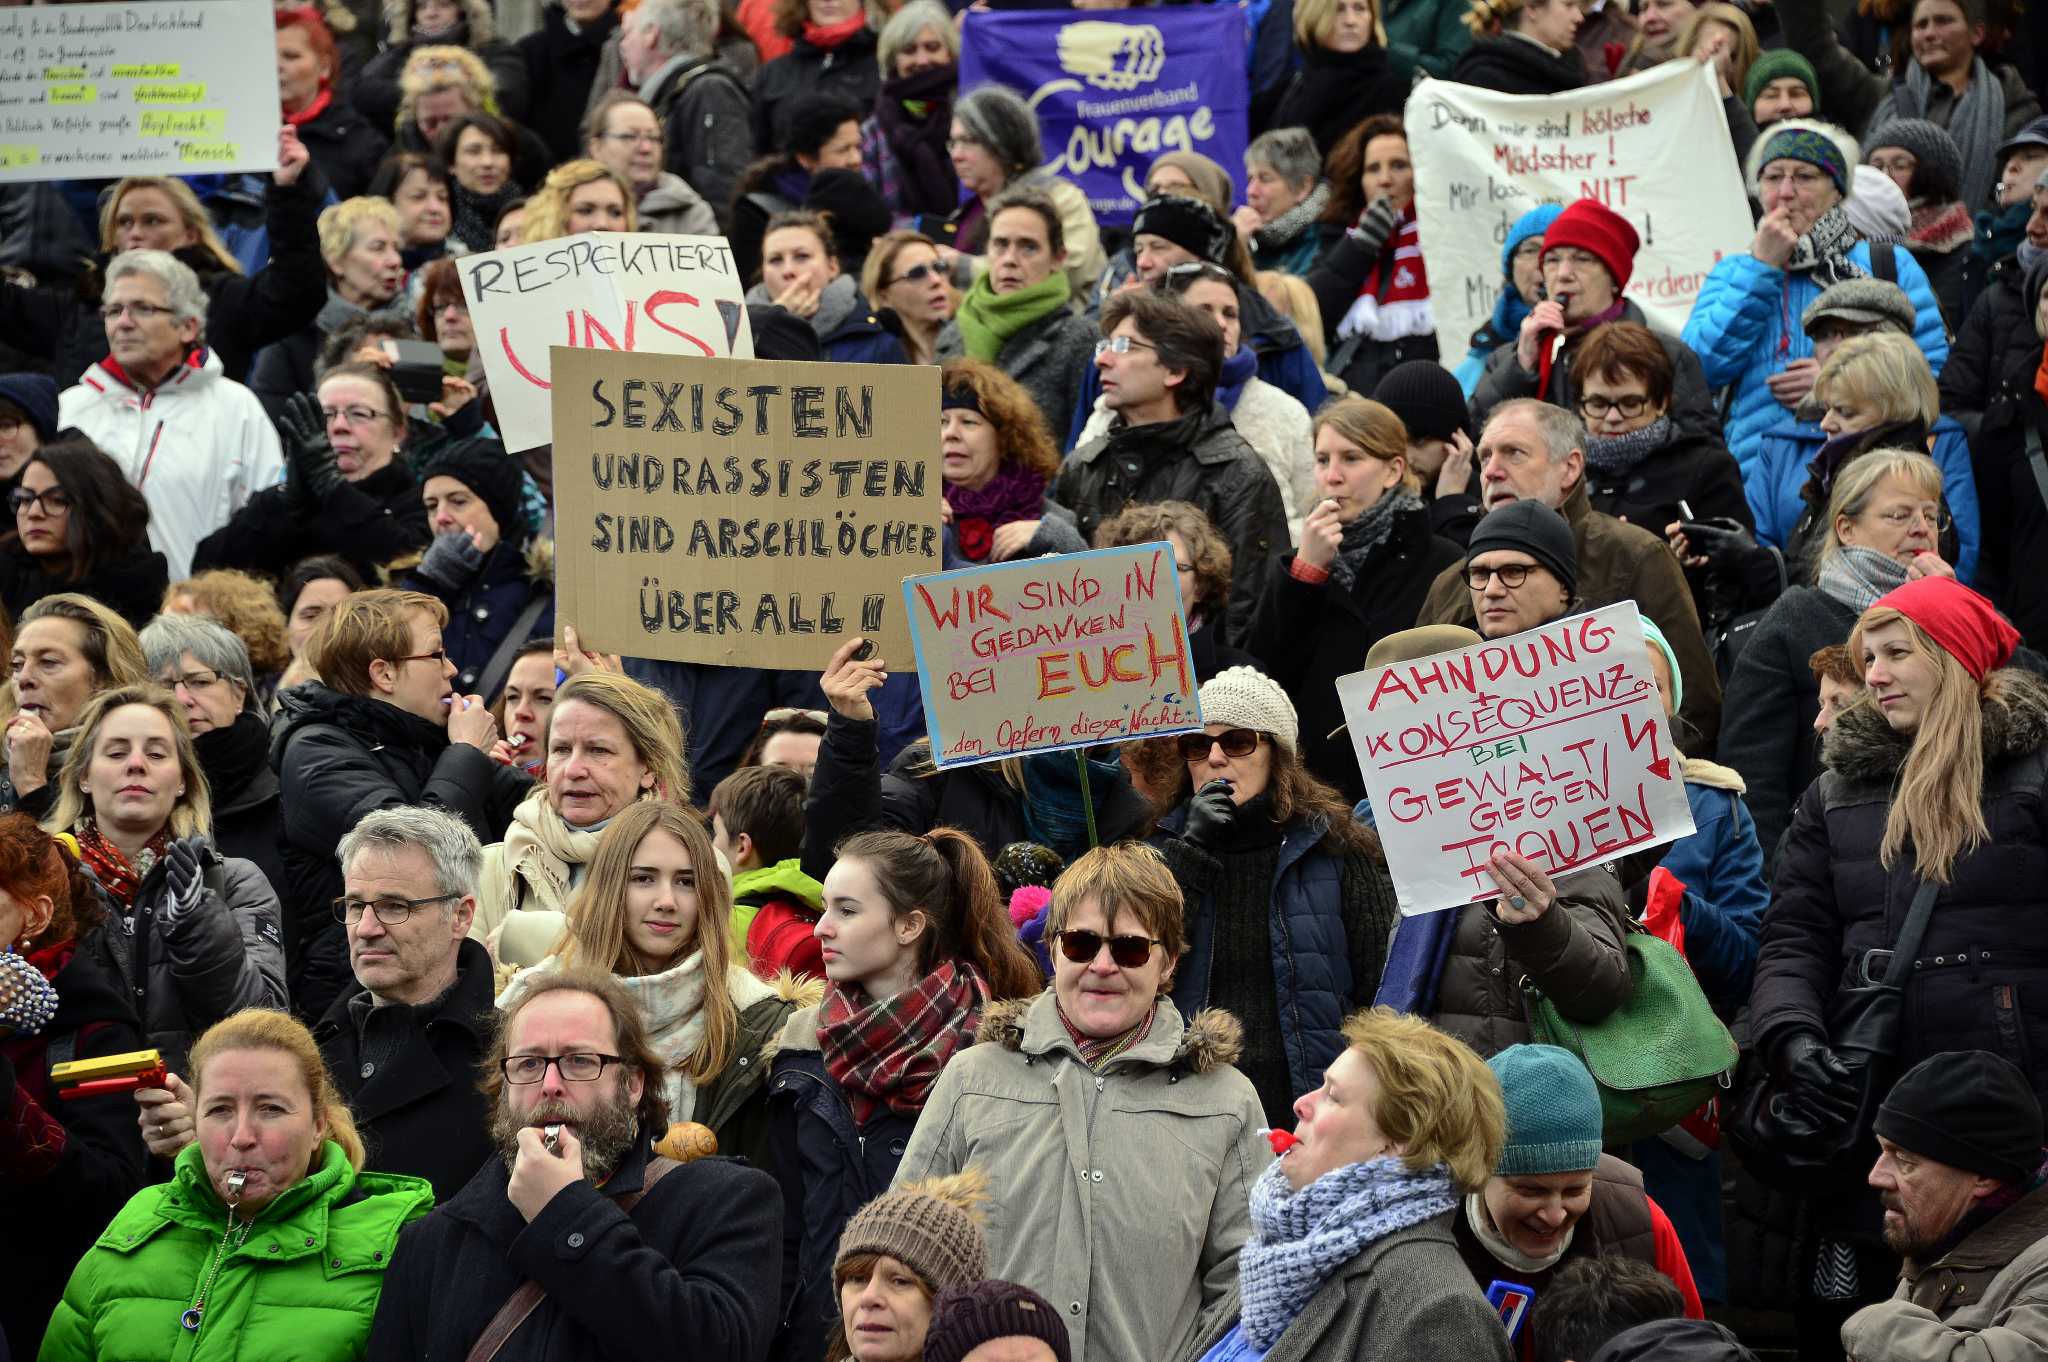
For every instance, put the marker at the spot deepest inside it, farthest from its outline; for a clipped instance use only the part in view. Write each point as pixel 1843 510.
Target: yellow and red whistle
pixel 109 1073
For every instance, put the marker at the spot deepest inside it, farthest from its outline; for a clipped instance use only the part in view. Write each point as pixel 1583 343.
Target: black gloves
pixel 1211 814
pixel 1818 1085
pixel 1376 224
pixel 1745 573
pixel 310 468
pixel 451 560
pixel 184 871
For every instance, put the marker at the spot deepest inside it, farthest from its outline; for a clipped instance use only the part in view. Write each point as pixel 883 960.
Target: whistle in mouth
pixel 551 1136
pixel 109 1073
pixel 1281 1140
pixel 236 1179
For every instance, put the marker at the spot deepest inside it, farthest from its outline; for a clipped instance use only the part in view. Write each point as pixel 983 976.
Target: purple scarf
pixel 916 115
pixel 1014 493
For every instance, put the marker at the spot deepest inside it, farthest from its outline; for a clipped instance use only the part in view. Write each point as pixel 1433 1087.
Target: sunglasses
pixel 1237 742
pixel 916 274
pixel 1129 952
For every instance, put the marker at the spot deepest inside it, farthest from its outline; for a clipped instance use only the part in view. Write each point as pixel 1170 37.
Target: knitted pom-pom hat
pixel 933 1227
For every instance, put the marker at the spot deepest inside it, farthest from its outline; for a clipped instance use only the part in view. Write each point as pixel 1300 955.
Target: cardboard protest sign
pixel 741 512
pixel 1053 652
pixel 171 87
pixel 1552 743
pixel 642 292
pixel 1653 147
pixel 1114 90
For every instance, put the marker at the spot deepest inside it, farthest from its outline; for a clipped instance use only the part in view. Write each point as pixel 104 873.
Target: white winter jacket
pixel 196 446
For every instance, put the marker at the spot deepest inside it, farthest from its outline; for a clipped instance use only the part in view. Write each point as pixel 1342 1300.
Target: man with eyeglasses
pixel 1588 254
pixel 1532 451
pixel 1168 440
pixel 574 1240
pixel 195 443
pixel 668 48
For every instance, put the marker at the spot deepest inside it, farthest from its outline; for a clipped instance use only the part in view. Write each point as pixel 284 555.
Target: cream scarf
pixel 1481 1221
pixel 545 854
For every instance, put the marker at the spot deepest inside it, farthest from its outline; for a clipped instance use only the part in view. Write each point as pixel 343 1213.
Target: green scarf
pixel 988 319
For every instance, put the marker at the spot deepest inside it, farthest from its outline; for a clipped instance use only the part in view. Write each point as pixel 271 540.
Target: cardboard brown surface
pixel 750 513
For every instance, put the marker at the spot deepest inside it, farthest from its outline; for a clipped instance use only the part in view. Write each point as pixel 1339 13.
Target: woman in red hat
pixel 1935 776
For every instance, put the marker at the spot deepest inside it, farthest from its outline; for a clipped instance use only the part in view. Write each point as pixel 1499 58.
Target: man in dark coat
pixel 668 48
pixel 1169 441
pixel 664 1252
pixel 381 727
pixel 562 62
pixel 407 1049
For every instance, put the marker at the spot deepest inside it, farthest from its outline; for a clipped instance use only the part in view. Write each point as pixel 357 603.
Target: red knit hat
pixel 1597 229
pixel 1966 625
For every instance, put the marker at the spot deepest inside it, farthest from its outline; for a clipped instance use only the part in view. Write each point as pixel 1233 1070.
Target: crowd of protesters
pixel 385 972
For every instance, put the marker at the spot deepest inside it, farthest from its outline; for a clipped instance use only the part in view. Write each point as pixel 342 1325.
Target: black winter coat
pixel 369 523
pixel 1695 469
pixel 708 116
pixel 1517 66
pixel 131 586
pixel 1693 409
pixel 1981 979
pixel 423 1112
pixel 346 149
pixel 1307 636
pixel 829 1168
pixel 695 1261
pixel 850 793
pixel 560 67
pixel 247 820
pixel 849 71
pixel 1198 458
pixel 1334 91
pixel 1339 273
pixel 67 1164
pixel 244 313
pixel 337 758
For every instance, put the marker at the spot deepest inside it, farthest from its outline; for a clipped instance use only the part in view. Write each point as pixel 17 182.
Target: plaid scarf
pixel 121 880
pixel 1097 1051
pixel 888 1054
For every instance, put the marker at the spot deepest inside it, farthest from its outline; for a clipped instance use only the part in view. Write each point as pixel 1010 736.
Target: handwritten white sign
pixel 1551 743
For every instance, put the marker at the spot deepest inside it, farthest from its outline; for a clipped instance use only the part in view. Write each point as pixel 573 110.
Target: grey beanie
pixel 1940 174
pixel 1863 302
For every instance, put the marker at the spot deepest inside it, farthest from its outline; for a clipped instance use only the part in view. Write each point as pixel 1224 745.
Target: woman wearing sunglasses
pixel 903 273
pixel 1102 1076
pixel 80 526
pixel 916 944
pixel 1283 887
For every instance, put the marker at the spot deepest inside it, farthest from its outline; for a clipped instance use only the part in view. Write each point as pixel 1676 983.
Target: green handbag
pixel 1658 1056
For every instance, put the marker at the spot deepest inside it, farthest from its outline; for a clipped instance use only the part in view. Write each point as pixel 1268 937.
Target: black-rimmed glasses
pixel 582 1067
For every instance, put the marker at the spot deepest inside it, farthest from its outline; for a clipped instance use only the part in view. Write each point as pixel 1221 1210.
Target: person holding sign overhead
pixel 1289 906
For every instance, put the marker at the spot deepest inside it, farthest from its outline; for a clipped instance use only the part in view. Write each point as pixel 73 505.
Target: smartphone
pixel 1511 1300
pixel 415 369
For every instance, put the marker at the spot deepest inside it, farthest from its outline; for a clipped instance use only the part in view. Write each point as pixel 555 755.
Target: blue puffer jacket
pixel 862 339
pixel 1722 869
pixel 1771 480
pixel 1745 326
pixel 1311 965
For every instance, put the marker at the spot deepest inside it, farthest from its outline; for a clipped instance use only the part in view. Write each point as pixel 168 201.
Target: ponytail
pixel 945 876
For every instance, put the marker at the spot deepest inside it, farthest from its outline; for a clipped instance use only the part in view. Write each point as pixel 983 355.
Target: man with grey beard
pixel 575 1240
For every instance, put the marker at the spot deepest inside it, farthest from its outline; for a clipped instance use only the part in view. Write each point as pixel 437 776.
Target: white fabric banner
pixel 172 87
pixel 645 292
pixel 1653 147
pixel 1552 743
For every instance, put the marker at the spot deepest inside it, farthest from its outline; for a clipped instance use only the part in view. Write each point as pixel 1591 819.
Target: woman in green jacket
pixel 268 1241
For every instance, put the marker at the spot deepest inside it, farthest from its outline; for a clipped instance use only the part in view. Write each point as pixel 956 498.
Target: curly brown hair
pixel 246 605
pixel 1021 432
pixel 1149 522
pixel 1346 167
pixel 32 864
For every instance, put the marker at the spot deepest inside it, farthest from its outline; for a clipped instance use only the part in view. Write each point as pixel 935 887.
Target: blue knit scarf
pixel 1300 1238
pixel 1237 371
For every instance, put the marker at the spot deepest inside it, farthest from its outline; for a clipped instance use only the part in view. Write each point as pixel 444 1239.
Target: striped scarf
pixel 1393 304
pixel 1096 1052
pixel 889 1053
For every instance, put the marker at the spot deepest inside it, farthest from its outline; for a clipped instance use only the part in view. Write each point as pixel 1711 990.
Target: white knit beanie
pixel 1244 697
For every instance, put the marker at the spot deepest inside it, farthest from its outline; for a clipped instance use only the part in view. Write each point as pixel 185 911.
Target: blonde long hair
pixel 191 816
pixel 1938 804
pixel 547 211
pixel 259 1028
pixel 597 920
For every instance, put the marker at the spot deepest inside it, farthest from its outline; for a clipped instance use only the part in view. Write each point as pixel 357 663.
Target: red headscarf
pixel 1968 627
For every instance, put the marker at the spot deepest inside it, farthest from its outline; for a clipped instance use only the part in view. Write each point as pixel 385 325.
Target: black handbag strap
pixel 1907 949
pixel 499 667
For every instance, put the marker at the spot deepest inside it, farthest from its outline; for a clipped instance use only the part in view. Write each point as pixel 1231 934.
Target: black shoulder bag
pixel 1863 1031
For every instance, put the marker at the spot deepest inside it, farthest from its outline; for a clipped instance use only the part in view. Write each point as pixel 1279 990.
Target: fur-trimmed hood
pixel 1861 746
pixel 1210 1040
pixel 804 995
pixel 479 28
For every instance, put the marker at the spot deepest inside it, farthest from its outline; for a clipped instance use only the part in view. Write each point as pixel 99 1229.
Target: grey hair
pixel 181 286
pixel 457 856
pixel 904 26
pixel 1291 152
pixel 1562 429
pixel 212 644
pixel 681 27
pixel 1000 120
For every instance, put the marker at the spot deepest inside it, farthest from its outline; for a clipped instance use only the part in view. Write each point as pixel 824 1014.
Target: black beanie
pixel 858 214
pixel 1969 1109
pixel 781 334
pixel 1427 398
pixel 1188 223
pixel 966 1317
pixel 1532 528
pixel 498 479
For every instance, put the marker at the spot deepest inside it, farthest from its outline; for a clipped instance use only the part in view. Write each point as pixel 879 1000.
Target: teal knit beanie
pixel 1553 1111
